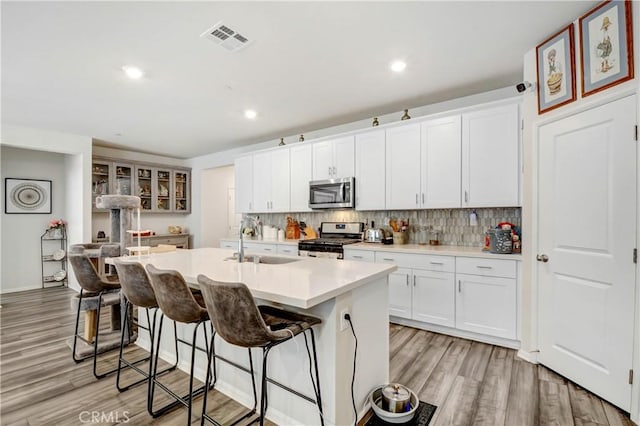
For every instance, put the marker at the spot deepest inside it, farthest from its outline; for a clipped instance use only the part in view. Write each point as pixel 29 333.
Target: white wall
pixel 75 184
pixel 158 222
pixel 214 212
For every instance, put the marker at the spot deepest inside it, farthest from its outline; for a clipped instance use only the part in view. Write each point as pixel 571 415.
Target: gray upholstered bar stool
pixel 178 303
pixel 239 321
pixel 137 291
pixel 95 292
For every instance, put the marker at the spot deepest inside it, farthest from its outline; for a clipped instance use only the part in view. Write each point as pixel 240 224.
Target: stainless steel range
pixel 333 236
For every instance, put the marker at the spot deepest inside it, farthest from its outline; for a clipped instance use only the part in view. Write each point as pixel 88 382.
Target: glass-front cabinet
pixel 181 182
pixel 124 179
pixel 161 189
pixel 143 187
pixel 163 196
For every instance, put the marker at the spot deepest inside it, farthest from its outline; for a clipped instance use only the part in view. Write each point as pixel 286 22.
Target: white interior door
pixel 587 215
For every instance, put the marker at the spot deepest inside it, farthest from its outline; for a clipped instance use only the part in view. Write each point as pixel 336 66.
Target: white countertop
pixel 427 249
pixel 303 283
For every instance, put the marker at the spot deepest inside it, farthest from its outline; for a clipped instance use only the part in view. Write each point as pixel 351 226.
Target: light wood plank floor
pixel 470 382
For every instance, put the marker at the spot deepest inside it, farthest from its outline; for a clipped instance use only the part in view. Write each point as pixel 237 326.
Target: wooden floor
pixel 470 382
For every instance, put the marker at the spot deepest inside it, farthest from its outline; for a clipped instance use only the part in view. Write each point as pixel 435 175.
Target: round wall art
pixel 27 196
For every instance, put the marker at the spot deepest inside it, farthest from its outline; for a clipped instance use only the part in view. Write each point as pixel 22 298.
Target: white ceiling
pixel 310 65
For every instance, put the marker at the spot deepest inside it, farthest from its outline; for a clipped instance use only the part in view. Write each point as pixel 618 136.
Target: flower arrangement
pixel 57 224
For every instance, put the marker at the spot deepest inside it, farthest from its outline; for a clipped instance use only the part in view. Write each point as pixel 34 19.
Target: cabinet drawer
pixel 260 248
pixel 437 263
pixel 403 260
pixel 229 244
pixel 486 267
pixel 287 250
pixel 361 255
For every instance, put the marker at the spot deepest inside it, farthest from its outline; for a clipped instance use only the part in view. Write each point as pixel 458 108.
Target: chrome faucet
pixel 241 243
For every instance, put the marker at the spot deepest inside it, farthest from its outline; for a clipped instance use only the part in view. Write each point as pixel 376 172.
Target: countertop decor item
pixel 606 41
pixel 31 196
pixel 405 116
pixel 175 229
pixel 301 138
pixel 375 122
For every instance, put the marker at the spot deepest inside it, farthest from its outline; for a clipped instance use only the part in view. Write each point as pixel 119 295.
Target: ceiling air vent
pixel 226 37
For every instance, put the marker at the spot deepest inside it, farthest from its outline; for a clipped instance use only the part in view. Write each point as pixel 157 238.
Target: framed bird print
pixel 606 40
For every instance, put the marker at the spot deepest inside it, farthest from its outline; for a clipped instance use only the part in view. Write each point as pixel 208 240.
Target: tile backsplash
pixel 454 224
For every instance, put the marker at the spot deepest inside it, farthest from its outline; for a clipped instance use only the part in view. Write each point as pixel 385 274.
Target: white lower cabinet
pixel 400 293
pixel 287 250
pixel 486 305
pixel 434 297
pixel 477 295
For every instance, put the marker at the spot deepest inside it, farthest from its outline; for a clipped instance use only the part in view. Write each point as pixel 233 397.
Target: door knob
pixel 542 258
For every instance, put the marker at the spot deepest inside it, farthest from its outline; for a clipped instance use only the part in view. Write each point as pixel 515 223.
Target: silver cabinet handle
pixel 423 198
pixel 436 263
pixel 542 258
pixel 335 171
pixel 388 260
pixel 329 170
pixel 355 256
pixel 414 280
pixel 484 267
pixel 459 286
pixel 466 197
pixel 407 280
pixel 416 199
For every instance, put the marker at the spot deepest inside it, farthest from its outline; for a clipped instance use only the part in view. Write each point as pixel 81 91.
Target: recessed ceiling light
pixel 398 66
pixel 251 114
pixel 133 73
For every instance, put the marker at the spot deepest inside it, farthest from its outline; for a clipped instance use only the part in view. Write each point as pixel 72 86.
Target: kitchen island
pixel 324 288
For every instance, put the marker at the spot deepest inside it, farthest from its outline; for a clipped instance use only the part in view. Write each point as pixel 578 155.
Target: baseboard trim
pixel 529 356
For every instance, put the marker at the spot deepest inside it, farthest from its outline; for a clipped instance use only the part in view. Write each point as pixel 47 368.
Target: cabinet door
pixel 490 157
pixel 123 181
pixel 441 162
pixel 434 297
pixel 162 194
pixel 143 187
pixel 370 171
pixel 343 157
pixel 486 305
pixel 100 184
pixel 301 175
pixel 322 160
pixel 182 183
pixel 403 167
pixel 244 184
pixel 400 293
pixel 280 190
pixel 226 244
pixel 261 182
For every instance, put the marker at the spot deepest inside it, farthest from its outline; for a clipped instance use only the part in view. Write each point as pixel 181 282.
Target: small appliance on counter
pixel 375 235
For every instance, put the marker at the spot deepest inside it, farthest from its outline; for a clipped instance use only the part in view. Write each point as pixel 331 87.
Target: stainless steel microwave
pixel 332 193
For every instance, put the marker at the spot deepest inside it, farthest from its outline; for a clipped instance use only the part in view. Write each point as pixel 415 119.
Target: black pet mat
pixel 423 416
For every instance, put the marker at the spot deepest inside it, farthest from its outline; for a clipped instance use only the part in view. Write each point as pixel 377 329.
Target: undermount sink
pixel 267 260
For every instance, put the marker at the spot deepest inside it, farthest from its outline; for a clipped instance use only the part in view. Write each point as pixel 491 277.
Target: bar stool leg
pixel 316 385
pixel 263 395
pixel 75 336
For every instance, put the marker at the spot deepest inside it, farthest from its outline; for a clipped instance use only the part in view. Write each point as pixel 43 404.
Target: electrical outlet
pixel 344 324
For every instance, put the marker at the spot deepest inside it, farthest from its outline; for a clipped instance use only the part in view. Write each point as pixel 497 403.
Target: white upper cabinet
pixel 271 181
pixel 244 184
pixel 441 162
pixel 370 170
pixel 300 177
pixel 490 157
pixel 403 167
pixel 334 158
